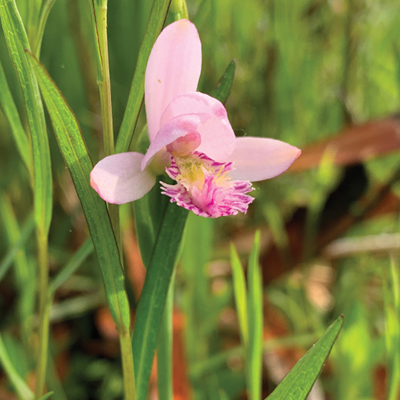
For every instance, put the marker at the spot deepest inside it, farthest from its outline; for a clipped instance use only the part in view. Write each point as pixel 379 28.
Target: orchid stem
pixel 127 365
pixel 179 9
pixel 44 309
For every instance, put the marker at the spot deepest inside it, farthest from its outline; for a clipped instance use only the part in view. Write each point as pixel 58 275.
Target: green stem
pixel 100 14
pixel 164 350
pixel 44 310
pixel 104 80
pixel 127 365
pixel 179 9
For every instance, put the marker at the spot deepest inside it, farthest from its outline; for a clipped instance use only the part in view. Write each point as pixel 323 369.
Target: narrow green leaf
pixel 46 396
pixel 17 42
pixel 94 6
pixel 255 322
pixel 240 292
pixel 74 151
pixel 9 258
pixel 11 113
pixel 154 25
pixel 23 271
pixel 73 264
pixel 19 384
pixel 298 382
pixel 221 92
pixel 152 301
pixel 45 9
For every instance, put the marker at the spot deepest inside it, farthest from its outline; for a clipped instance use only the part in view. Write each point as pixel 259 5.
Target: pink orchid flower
pixel 191 139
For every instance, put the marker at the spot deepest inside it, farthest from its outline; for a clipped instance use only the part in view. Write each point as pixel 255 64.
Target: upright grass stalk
pixel 103 82
pixel 44 311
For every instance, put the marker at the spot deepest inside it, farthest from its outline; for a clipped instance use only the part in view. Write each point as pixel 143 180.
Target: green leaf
pixel 23 271
pixel 45 9
pixel 152 301
pixel 73 264
pixel 221 92
pixel 298 382
pixel 240 292
pixel 46 396
pixel 154 25
pixel 9 258
pixel 11 113
pixel 17 42
pixel 19 384
pixel 74 151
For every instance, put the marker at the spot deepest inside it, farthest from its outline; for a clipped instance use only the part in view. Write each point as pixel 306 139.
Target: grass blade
pixel 19 384
pixel 221 92
pixel 298 382
pixel 11 113
pixel 73 264
pixel 240 292
pixel 23 271
pixel 154 25
pixel 9 258
pixel 152 301
pixel 17 42
pixel 46 396
pixel 74 151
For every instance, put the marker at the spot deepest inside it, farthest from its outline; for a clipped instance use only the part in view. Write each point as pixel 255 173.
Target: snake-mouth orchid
pixel 191 139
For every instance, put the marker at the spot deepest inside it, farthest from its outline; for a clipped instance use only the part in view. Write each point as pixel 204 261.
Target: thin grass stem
pixel 103 81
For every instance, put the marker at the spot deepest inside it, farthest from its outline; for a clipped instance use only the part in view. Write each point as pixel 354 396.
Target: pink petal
pixel 173 69
pixel 217 136
pixel 118 179
pixel 172 130
pixel 256 159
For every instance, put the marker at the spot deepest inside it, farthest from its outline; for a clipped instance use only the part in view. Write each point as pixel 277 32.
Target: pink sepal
pixel 256 159
pixel 118 179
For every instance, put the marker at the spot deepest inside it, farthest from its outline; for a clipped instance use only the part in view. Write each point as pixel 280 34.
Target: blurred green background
pixel 305 69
